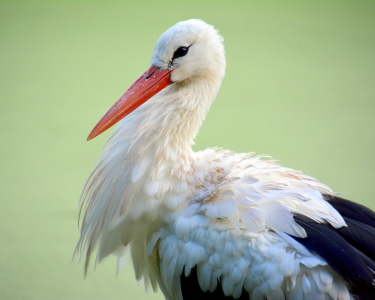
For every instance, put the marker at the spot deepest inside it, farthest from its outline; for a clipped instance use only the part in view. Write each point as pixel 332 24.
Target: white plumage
pixel 228 217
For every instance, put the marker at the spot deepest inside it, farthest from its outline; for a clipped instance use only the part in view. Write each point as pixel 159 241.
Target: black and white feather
pixel 216 224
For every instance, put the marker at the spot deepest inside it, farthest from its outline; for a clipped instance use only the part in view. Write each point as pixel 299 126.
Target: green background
pixel 299 86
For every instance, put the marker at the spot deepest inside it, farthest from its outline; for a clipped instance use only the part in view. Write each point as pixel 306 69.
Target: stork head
pixel 189 49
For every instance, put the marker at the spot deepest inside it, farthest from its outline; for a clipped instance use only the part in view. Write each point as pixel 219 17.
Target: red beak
pixel 149 84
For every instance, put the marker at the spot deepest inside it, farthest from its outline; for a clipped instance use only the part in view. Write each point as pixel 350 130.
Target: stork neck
pixel 169 122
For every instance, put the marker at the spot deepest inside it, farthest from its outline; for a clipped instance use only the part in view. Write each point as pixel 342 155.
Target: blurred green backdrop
pixel 299 86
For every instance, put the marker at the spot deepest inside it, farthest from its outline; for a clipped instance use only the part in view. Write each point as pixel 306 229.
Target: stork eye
pixel 182 51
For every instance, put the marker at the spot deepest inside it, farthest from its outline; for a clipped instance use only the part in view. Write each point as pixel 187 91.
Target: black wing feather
pixel 338 253
pixel 352 210
pixel 360 231
pixel 350 250
pixel 359 235
pixel 191 290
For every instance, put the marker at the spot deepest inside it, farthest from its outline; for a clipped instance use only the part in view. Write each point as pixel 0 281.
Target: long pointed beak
pixel 148 85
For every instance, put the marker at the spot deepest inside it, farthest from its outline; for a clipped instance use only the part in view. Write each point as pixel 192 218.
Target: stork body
pixel 214 222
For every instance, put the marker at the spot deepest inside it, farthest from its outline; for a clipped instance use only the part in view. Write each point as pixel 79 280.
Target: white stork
pixel 214 224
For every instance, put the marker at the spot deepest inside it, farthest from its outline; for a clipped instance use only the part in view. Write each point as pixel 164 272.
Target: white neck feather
pixel 146 169
pixel 167 123
pixel 147 172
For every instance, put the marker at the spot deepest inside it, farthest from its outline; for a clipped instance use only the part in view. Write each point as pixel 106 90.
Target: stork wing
pixel 350 250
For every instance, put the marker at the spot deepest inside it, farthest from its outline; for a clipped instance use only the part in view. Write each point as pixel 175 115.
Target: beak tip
pixel 91 136
pixel 143 89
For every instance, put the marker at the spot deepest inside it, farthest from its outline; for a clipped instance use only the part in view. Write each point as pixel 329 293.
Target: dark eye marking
pixel 181 51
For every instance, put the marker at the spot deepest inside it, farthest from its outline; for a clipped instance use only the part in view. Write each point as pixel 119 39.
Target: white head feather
pixel 205 57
